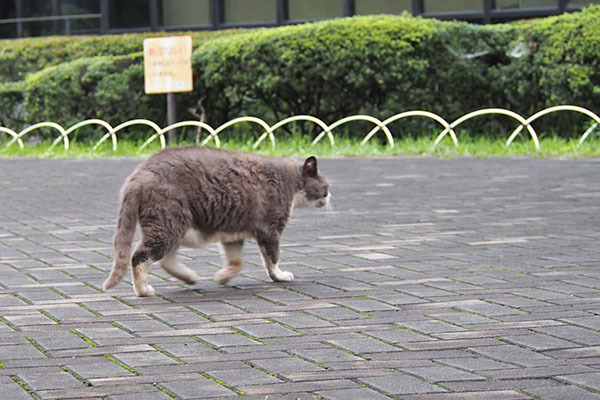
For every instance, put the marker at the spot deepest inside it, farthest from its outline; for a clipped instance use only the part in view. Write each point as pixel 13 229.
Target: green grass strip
pixel 211 378
pixel 120 364
pixel 9 324
pixel 345 146
pixel 84 338
pixel 24 386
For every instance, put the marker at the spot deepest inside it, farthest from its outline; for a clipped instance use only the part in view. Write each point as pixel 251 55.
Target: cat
pixel 192 196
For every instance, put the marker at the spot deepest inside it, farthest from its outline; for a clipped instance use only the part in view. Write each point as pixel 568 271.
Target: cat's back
pixel 205 166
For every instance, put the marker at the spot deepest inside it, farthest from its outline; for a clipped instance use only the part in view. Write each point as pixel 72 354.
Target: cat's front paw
pixel 282 276
pixel 190 278
pixel 224 275
pixel 148 291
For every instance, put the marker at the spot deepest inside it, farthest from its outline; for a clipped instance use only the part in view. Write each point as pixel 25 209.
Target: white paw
pixel 224 275
pixel 282 276
pixel 191 278
pixel 146 292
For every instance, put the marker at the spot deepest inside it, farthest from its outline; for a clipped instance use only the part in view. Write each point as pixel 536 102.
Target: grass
pixel 345 146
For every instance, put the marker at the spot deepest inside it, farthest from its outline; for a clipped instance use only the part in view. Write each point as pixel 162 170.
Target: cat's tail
pixel 123 239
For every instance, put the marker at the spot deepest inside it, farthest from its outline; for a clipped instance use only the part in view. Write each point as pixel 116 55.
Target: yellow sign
pixel 168 64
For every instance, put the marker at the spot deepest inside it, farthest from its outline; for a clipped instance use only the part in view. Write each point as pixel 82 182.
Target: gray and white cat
pixel 192 196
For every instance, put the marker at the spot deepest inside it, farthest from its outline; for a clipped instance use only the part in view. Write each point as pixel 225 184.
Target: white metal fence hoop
pixel 63 136
pixel 110 132
pixel 213 134
pixel 146 122
pixel 564 107
pixel 502 111
pixel 417 113
pixel 238 120
pixel 199 124
pixel 15 137
pixel 368 118
pixel 310 118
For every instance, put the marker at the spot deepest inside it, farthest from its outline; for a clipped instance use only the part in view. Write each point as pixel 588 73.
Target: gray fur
pixel 195 195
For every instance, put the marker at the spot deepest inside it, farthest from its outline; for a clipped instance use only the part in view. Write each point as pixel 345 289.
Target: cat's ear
pixel 310 166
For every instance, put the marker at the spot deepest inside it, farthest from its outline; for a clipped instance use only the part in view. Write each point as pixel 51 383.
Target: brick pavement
pixel 431 279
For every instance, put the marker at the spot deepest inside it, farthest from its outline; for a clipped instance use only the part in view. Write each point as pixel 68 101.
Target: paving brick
pixel 488 395
pixel 512 354
pixel 359 393
pixel 229 340
pixel 325 355
pixel 144 359
pixel 98 367
pixel 564 392
pixel 201 388
pixel 470 279
pixel 537 372
pixel 400 384
pixel 398 335
pixel 431 326
pixel 11 390
pixel 540 342
pixel 590 380
pixel 56 379
pixel 462 318
pixel 243 376
pixel 189 348
pixel 501 384
pixel 302 320
pixel 573 333
pixel 476 364
pixel 155 394
pixel 287 365
pixel 336 314
pixel 268 330
pixel 286 388
pixel 19 351
pixel 442 374
pixel 362 345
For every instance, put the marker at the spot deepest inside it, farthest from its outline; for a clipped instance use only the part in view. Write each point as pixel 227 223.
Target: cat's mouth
pixel 323 202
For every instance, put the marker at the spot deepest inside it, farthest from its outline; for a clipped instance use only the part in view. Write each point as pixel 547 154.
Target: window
pixel 240 11
pixel 315 9
pixel 364 7
pixel 130 14
pixel 583 3
pixel 183 13
pixel 436 6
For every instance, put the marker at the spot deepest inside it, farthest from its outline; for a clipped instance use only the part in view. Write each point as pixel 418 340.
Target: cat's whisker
pixel 329 208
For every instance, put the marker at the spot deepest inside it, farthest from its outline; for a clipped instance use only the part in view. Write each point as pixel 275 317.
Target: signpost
pixel 168 69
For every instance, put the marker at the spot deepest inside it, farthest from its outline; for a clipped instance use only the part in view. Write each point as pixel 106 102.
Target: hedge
pixel 379 65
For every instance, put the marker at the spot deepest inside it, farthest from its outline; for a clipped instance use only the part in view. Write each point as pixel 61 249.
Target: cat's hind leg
pixel 156 244
pixel 139 274
pixel 169 263
pixel 269 249
pixel 232 256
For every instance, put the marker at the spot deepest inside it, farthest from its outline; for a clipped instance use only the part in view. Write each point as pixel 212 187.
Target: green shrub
pixel 23 56
pixel 67 79
pixel 565 58
pixel 106 87
pixel 377 65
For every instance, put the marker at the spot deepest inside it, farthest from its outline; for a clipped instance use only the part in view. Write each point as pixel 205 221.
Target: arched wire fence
pixel 269 131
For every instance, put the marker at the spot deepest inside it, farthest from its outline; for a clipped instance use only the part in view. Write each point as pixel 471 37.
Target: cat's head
pixel 315 189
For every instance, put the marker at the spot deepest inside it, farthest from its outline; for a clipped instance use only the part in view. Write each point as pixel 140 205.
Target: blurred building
pixel 27 18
